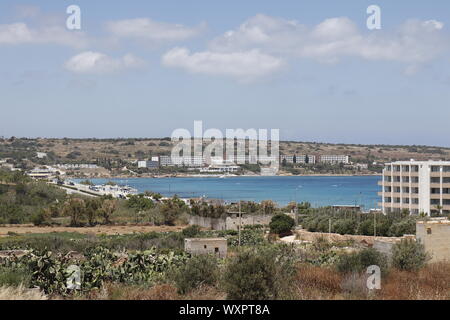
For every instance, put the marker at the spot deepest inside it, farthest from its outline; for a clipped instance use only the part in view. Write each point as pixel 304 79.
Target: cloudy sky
pixel 309 68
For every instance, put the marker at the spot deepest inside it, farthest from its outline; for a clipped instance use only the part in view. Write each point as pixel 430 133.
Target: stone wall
pixel 435 236
pixel 206 222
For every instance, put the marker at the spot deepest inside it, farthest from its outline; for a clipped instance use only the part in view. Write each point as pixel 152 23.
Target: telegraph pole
pixel 240 216
pixel 374 224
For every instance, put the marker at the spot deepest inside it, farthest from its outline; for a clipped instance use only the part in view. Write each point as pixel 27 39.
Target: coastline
pixel 218 176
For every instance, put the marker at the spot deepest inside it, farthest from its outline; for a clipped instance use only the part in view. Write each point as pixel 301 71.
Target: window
pixel 405 200
pixel 405 179
pixel 446 169
pixel 446 180
pixel 435 180
pixel 435 202
pixel 397 189
pixel 216 250
pixel 435 169
pixel 428 230
pixel 415 168
pixel 204 247
pixel 415 179
pixel 435 191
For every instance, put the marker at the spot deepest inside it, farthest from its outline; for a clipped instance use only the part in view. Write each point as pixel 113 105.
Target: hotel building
pixel 335 159
pixel 417 186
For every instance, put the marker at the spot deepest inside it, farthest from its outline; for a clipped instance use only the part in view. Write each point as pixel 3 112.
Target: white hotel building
pixel 417 186
pixel 334 159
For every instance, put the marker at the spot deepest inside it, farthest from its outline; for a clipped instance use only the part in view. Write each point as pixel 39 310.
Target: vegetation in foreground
pixel 153 266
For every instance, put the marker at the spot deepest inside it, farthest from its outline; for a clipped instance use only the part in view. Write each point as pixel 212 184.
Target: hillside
pixel 88 150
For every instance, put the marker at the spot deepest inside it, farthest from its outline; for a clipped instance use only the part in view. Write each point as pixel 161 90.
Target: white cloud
pixel 244 65
pixel 20 33
pixel 147 29
pixel 90 62
pixel 413 42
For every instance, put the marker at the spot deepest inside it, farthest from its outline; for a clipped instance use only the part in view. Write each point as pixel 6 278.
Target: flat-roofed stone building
pixel 216 246
pixel 435 236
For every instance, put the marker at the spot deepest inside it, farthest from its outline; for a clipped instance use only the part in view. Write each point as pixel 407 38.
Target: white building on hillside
pixel 334 159
pixel 417 186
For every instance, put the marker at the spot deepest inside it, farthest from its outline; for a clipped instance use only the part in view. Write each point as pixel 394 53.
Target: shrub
pixel 260 274
pixel 191 231
pixel 400 228
pixel 199 270
pixel 409 255
pixel 357 262
pixel 281 224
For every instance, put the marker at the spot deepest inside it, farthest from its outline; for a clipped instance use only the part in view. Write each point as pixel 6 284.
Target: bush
pixel 260 274
pixel 199 270
pixel 281 224
pixel 409 255
pixel 406 226
pixel 357 262
pixel 191 231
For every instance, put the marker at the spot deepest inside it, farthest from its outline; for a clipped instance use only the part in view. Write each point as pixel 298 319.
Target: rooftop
pixel 428 162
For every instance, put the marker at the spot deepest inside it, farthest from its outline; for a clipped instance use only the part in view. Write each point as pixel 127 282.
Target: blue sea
pixel 318 190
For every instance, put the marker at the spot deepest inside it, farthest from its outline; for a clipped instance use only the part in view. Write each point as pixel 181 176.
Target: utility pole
pixel 240 216
pixel 374 224
pixel 296 214
pixel 329 227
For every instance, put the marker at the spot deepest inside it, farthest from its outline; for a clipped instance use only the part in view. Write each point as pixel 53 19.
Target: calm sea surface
pixel 318 190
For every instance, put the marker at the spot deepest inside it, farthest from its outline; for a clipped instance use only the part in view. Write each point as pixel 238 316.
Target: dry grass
pixel 317 283
pixel 430 283
pixel 127 292
pixel 205 293
pixel 157 292
pixel 21 293
pixel 109 230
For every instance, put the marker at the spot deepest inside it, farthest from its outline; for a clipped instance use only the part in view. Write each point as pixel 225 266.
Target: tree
pixel 260 274
pixel 92 210
pixel 268 206
pixel 140 204
pixel 281 224
pixel 107 209
pixel 409 255
pixel 359 261
pixel 171 209
pixel 199 270
pixel 75 208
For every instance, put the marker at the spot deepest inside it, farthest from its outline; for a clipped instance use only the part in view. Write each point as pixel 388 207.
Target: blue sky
pixel 309 68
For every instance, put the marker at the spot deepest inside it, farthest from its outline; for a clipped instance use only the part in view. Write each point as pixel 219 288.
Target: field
pixel 97 230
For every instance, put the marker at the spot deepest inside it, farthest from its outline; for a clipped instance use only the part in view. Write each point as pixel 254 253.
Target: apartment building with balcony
pixel 334 159
pixel 417 186
pixel 311 159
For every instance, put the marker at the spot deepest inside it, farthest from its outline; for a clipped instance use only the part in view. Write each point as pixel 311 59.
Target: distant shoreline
pixel 228 176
